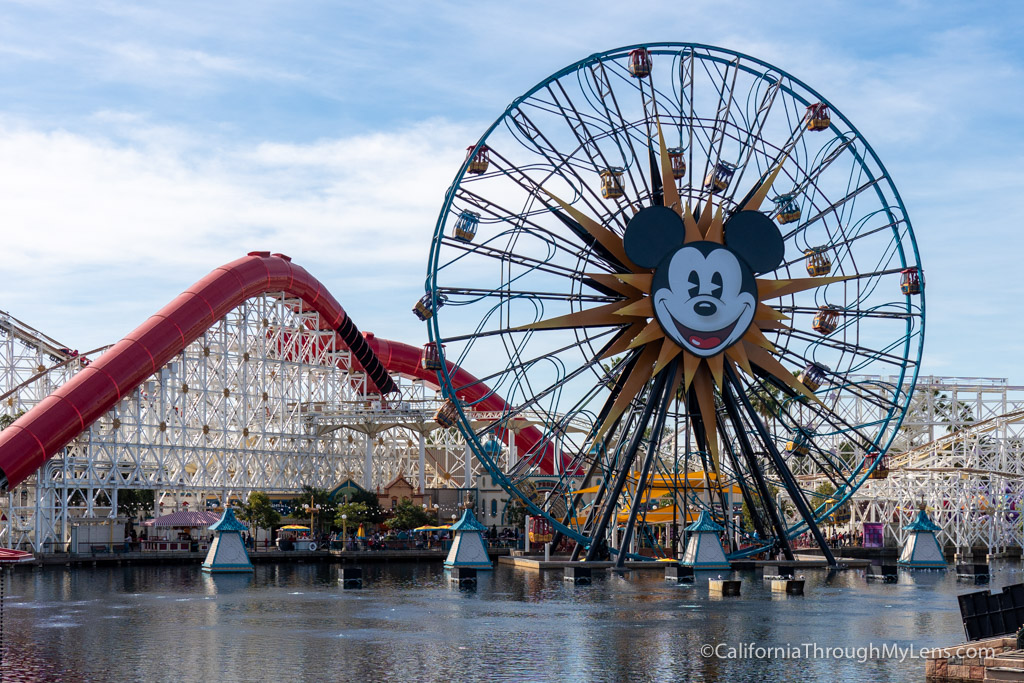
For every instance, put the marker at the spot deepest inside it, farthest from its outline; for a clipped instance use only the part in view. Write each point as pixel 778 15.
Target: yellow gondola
pixel 818 262
pixel 611 183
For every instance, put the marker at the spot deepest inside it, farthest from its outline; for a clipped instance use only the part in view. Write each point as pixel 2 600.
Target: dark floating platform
pixel 724 586
pixel 464 576
pixel 578 576
pixel 886 573
pixel 788 586
pixel 974 572
pixel 679 573
pixel 351 577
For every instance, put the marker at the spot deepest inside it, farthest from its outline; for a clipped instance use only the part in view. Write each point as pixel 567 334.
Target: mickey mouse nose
pixel 705 308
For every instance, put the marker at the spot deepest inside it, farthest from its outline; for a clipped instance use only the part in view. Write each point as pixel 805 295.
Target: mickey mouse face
pixel 704 298
pixel 704 294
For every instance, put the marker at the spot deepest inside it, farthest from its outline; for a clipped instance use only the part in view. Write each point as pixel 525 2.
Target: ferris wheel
pixel 679 264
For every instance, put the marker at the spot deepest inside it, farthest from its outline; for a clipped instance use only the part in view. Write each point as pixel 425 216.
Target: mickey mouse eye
pixel 716 284
pixel 694 281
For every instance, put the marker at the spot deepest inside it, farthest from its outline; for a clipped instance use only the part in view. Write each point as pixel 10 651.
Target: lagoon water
pixel 292 622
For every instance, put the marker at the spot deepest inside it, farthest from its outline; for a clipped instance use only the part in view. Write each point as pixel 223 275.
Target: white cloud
pixel 121 228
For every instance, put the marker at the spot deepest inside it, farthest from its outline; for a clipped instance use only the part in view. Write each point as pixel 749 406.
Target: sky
pixel 144 144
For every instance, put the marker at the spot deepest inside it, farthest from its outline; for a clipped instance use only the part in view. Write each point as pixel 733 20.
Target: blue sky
pixel 143 144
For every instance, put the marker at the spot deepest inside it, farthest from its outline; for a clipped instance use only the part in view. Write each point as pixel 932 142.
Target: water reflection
pixel 177 623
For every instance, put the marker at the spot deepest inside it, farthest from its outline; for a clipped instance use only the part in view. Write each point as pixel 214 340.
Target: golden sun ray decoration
pixel 704 356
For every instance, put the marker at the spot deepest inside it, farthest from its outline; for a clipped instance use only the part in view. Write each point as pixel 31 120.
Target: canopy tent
pixel 662 515
pixel 185 518
pixel 294 527
pixel 668 484
pixel 433 528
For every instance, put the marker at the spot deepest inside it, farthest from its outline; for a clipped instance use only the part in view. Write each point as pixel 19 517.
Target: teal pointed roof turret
pixel 468 523
pixel 228 522
pixel 922 523
pixel 705 523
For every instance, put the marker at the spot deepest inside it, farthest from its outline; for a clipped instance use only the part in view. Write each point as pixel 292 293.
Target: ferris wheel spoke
pixel 558 163
pixel 847 347
pixel 522 364
pixel 532 263
pixel 851 312
pixel 879 400
pixel 619 123
pixel 832 208
pixel 506 293
pixel 811 177
pixel 756 389
pixel 580 128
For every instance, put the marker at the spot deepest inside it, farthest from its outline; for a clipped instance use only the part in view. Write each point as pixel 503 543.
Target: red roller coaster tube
pixel 71 409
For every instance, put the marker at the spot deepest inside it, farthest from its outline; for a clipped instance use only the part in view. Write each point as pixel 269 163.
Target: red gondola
pixel 430 357
pixel 640 62
pixel 881 471
pixel 675 155
pixel 910 281
pixel 480 161
pixel 447 414
pixel 818 116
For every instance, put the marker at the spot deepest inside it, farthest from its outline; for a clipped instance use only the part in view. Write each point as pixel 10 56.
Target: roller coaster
pixel 253 379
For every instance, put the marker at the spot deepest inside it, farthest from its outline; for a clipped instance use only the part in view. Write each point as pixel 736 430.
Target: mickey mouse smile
pixel 701 339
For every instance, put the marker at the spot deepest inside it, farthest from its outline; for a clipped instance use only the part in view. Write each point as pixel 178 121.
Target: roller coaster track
pixel 55 421
pixel 924 457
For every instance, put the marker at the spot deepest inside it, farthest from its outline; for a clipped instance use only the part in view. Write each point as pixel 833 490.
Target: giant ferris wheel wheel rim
pixel 889 204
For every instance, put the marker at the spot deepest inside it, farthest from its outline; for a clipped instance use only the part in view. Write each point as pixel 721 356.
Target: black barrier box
pixel 988 615
pixel 679 573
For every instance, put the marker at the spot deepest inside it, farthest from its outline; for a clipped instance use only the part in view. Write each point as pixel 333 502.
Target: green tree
pixel 515 514
pixel 317 498
pixel 748 519
pixel 130 502
pixel 355 513
pixel 374 513
pixel 7 420
pixel 409 515
pixel 765 400
pixel 823 493
pixel 258 512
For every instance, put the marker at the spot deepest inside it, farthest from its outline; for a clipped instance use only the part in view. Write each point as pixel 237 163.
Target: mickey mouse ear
pixel 651 234
pixel 756 239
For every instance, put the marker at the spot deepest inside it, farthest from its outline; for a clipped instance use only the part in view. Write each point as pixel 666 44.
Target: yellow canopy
pixel 661 484
pixel 663 515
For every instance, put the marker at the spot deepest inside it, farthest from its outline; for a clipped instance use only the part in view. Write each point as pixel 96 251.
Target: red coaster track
pixel 67 412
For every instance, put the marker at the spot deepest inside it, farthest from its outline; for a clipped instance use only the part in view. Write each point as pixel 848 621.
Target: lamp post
pixel 344 530
pixel 312 509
